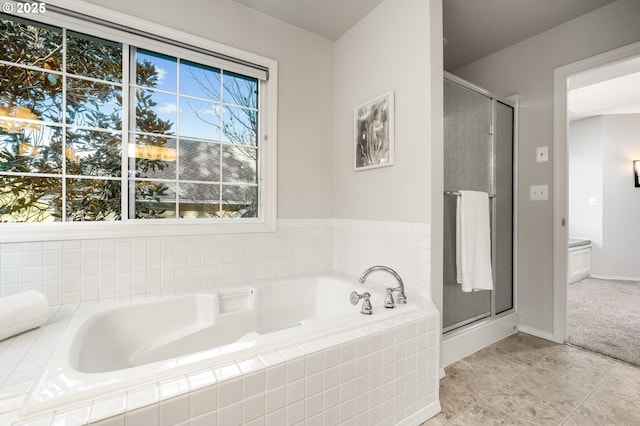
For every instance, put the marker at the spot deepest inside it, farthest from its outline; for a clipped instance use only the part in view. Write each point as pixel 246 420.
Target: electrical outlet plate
pixel 538 192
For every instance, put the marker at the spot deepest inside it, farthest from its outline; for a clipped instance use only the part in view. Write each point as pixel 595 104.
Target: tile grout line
pixel 533 365
pixel 495 390
pixel 617 364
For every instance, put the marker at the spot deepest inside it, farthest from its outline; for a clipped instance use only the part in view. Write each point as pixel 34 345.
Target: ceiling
pixel 328 18
pixel 613 89
pixel 477 28
pixel 473 28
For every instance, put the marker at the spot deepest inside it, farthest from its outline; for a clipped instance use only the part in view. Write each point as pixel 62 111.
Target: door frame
pixel 560 181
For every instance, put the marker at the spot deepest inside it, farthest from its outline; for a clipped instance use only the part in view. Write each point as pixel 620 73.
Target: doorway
pixel 567 266
pixel 603 269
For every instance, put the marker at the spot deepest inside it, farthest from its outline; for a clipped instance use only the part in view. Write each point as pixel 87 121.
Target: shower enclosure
pixel 478 156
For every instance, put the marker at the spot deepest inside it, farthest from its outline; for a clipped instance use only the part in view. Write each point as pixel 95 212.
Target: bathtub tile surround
pixel 89 271
pixel 345 398
pixel 126 268
pixel 384 372
pixel 131 268
pixel 403 246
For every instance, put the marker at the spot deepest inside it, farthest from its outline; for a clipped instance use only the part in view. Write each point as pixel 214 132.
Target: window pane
pixel 240 201
pixel 92 153
pixel 93 200
pixel 32 95
pixel 240 126
pixel 156 70
pixel 30 148
pixel 94 104
pixel 199 200
pixel 156 112
pixel 199 119
pixel 199 80
pixel 30 199
pixel 240 90
pixel 192 147
pixel 84 52
pixel 239 164
pixel 155 200
pixel 29 43
pixel 153 157
pixel 199 160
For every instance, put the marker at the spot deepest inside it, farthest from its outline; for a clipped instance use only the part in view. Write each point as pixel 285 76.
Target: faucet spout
pixel 401 296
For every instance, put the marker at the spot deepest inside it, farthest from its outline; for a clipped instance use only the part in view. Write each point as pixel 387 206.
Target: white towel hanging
pixel 473 241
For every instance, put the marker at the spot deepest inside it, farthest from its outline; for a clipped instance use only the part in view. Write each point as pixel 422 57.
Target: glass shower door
pixel 468 163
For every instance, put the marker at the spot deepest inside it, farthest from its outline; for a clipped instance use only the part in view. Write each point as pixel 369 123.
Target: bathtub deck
pixel 23 360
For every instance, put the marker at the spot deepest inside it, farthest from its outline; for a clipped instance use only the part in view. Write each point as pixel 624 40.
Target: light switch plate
pixel 542 154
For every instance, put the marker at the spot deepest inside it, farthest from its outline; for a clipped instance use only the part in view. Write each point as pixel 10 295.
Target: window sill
pixel 20 233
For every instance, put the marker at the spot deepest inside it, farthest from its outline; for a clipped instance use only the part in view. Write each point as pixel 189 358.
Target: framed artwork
pixel 374 131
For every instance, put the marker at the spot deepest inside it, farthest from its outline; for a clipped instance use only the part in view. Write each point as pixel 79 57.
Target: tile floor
pixel 525 380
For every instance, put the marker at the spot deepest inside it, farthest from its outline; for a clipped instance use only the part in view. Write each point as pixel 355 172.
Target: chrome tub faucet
pixel 388 301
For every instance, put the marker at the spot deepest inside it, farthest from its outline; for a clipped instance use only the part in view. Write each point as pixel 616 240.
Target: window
pixel 103 129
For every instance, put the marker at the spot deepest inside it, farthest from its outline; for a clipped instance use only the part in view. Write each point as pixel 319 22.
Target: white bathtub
pixel 109 348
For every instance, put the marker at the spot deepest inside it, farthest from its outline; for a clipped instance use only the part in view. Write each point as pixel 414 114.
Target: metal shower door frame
pixel 483 318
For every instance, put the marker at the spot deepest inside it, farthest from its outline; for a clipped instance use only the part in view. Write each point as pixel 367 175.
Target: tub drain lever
pixel 366 304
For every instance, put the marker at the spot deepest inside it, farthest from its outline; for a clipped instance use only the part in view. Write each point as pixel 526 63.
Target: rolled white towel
pixel 21 312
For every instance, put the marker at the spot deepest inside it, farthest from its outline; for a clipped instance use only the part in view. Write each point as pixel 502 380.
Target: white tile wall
pixel 108 269
pixel 403 246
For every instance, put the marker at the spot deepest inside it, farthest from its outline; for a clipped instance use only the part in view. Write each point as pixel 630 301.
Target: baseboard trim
pixel 423 415
pixel 459 344
pixel 614 277
pixel 538 333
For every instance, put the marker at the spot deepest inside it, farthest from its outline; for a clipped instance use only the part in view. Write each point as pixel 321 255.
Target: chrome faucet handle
pixel 354 297
pixel 402 299
pixel 388 300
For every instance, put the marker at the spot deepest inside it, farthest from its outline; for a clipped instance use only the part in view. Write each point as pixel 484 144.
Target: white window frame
pixel 267 133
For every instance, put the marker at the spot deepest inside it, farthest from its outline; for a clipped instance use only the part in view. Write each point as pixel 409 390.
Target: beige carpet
pixel 604 317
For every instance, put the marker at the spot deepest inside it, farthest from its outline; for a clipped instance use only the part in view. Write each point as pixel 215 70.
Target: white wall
pixel 527 69
pixel 586 152
pixel 305 102
pixel 436 127
pixel 395 42
pixel 621 202
pixel 388 50
pixel 601 154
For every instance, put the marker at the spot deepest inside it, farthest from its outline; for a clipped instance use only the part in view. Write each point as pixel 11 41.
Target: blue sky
pixel 198 118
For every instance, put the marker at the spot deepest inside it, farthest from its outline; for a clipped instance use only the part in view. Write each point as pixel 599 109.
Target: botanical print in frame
pixel 373 122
